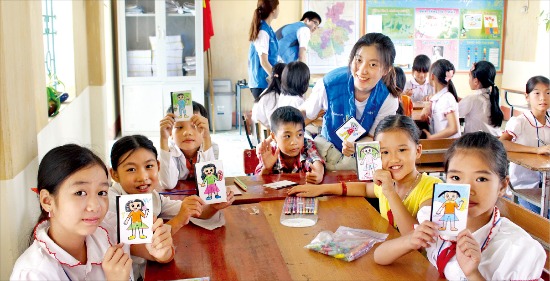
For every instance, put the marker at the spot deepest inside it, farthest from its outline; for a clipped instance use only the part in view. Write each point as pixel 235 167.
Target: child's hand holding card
pixel 210 182
pixel 450 207
pixel 351 130
pixel 182 105
pixel 135 218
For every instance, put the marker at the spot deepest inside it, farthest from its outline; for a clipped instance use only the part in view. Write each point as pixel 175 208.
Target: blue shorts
pixel 449 217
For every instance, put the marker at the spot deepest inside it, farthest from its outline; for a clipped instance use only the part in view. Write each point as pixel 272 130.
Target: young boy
pixel 286 150
pixel 190 144
pixel 419 88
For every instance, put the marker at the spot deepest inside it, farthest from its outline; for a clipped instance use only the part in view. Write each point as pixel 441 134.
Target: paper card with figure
pixel 450 207
pixel 368 159
pixel 350 131
pixel 135 218
pixel 211 182
pixel 182 105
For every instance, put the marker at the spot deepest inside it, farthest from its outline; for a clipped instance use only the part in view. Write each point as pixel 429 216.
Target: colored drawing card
pixel 210 181
pixel 182 105
pixel 350 131
pixel 368 159
pixel 135 218
pixel 450 207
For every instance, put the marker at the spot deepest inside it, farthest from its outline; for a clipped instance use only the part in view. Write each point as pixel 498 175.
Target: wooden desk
pixel 539 163
pixel 258 247
pixel 256 192
pixel 420 104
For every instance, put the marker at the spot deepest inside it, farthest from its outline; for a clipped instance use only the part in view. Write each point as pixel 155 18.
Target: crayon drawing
pixel 368 159
pixel 350 131
pixel 450 207
pixel 182 105
pixel 211 182
pixel 135 218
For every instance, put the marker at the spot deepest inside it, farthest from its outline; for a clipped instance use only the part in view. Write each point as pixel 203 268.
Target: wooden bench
pixel 534 224
pixel 433 155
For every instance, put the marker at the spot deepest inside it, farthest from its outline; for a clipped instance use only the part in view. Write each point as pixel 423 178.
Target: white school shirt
pixel 476 111
pixel 262 43
pixel 523 131
pixel 304 35
pixel 45 260
pixel 443 103
pixel 318 100
pixel 262 110
pixel 419 91
pixel 164 208
pixel 510 255
pixel 173 167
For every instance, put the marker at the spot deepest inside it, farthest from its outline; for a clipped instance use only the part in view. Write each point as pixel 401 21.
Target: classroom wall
pixel 26 131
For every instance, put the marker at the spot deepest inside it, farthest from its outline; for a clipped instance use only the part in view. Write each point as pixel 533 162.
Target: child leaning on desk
pixel 135 170
pixel 529 133
pixel 189 143
pixel 399 187
pixel 286 150
pixel 419 88
pixel 491 247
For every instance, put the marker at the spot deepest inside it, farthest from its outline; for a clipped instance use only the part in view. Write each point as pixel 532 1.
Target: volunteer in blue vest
pixel 365 89
pixel 294 38
pixel 263 46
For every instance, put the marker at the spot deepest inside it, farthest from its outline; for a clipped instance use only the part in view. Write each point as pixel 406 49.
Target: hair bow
pixel 449 75
pixel 35 190
pixel 473 67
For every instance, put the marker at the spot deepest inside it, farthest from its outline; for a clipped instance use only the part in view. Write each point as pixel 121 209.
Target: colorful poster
pixel 396 23
pixel 438 49
pixel 404 53
pixel 481 24
pixel 436 23
pixel 471 51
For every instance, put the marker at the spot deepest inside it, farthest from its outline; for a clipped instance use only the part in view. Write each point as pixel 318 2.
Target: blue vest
pixel 289 46
pixel 341 103
pixel 256 73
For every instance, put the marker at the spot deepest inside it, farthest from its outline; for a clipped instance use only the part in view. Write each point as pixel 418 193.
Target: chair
pixel 433 155
pixel 537 226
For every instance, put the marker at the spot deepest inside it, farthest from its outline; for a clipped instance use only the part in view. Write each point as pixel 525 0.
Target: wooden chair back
pixel 433 155
pixel 537 226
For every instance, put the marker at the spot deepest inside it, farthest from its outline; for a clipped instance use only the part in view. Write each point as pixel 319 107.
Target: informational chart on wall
pixel 461 31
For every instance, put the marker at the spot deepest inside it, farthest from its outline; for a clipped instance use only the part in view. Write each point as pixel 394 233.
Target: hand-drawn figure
pixel 368 155
pixel 183 100
pixel 209 177
pixel 350 131
pixel 137 210
pixel 450 206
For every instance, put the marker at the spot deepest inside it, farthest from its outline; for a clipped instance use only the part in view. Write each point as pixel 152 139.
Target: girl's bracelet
pixel 344 188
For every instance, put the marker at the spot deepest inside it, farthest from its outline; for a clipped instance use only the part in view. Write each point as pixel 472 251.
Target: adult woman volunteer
pixel 264 48
pixel 365 89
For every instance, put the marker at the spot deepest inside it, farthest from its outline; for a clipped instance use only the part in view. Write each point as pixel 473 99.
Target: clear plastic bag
pixel 346 243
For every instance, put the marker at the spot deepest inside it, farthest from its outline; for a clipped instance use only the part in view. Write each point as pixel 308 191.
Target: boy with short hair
pixel 419 88
pixel 286 150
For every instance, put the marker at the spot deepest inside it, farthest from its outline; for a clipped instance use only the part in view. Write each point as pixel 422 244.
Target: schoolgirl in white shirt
pixel 491 247
pixel 419 88
pixel 182 145
pixel 481 109
pixel 443 112
pixel 530 133
pixel 294 85
pixel 75 237
pixel 135 170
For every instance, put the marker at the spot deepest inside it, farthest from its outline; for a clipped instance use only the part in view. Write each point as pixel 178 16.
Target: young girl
pixel 190 143
pixel 529 132
pixel 365 90
pixel 294 84
pixel 135 170
pixel 75 237
pixel 264 47
pixel 481 110
pixel 492 247
pixel 443 113
pixel 419 88
pixel 400 188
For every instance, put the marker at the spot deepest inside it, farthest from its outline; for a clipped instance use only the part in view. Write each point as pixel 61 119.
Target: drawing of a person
pixel 209 177
pixel 450 207
pixel 183 100
pixel 370 154
pixel 347 133
pixel 136 210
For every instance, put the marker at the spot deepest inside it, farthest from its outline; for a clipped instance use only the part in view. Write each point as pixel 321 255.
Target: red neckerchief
pixel 190 167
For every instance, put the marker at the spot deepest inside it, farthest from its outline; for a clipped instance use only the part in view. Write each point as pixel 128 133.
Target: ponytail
pixel 496 113
pixel 389 79
pixel 444 70
pixel 485 73
pixel 262 11
pixel 451 88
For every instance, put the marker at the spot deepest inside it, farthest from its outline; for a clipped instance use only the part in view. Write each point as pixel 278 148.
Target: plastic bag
pixel 346 243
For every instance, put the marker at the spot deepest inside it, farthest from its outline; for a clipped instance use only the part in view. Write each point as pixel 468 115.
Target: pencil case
pixel 299 211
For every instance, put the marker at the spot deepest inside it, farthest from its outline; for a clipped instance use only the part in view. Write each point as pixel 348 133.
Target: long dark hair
pixel 275 83
pixel 533 81
pixel 262 11
pixel 295 80
pixel 210 165
pixel 129 143
pixel 440 69
pixel 485 73
pixel 386 50
pixel 398 122
pixel 59 164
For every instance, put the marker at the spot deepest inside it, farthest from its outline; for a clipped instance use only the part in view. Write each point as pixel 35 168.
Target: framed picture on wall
pixel 331 44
